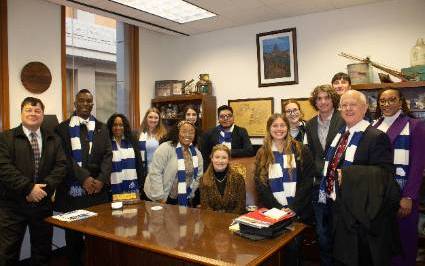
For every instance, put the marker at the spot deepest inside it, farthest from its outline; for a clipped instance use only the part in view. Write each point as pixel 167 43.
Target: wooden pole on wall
pixel 4 69
pixel 63 65
pixel 134 107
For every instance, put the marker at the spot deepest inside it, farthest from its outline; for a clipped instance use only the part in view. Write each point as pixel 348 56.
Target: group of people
pixel 355 179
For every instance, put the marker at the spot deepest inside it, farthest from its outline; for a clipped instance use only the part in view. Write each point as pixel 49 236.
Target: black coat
pixel 17 167
pixel 311 129
pixel 98 165
pixel 302 202
pixel 241 144
pixel 367 202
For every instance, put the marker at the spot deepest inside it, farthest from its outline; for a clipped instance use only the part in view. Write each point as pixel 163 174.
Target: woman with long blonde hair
pixel 152 130
pixel 284 175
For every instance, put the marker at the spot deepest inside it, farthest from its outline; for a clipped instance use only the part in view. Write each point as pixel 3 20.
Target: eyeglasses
pixel 348 106
pixel 293 111
pixel 389 101
pixel 223 117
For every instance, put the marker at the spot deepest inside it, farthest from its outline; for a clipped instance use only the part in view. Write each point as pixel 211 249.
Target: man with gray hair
pixel 358 177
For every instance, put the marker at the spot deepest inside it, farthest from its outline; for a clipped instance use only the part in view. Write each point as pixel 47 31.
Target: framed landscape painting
pixel 277 58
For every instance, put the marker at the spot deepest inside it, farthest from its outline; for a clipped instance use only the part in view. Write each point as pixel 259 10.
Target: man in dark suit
pixel 227 133
pixel 88 149
pixel 32 164
pixel 320 131
pixel 358 177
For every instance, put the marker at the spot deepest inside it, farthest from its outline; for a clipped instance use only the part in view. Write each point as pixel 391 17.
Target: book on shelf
pixel 74 215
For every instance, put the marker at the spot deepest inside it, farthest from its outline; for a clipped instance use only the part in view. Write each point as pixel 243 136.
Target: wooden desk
pixel 174 235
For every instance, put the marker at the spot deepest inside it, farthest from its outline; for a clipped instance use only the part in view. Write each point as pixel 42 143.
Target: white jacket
pixel 163 172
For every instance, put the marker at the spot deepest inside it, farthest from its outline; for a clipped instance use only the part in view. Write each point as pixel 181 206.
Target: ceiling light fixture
pixel 176 10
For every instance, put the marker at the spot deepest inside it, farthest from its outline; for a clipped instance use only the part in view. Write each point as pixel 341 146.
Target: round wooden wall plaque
pixel 36 77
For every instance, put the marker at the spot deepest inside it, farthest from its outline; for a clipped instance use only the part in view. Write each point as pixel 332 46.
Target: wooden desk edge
pixel 173 253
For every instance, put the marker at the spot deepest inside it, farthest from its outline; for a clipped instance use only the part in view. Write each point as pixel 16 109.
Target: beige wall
pixel 385 31
pixel 34 35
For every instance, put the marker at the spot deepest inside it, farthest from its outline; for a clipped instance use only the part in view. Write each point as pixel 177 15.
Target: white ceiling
pixel 230 13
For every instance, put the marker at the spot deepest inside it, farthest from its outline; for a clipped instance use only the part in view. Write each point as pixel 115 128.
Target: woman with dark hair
pixel 406 134
pixel 222 187
pixel 176 168
pixel 191 114
pixel 127 169
pixel 152 131
pixel 284 171
pixel 292 111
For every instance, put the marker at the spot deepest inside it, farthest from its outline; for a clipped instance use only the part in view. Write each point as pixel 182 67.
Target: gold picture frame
pixel 252 114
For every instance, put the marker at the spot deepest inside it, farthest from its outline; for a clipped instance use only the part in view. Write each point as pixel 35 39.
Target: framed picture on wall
pixel 277 58
pixel 252 114
pixel 307 110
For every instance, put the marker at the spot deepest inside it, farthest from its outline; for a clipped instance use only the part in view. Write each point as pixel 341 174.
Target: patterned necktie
pixel 36 152
pixel 332 174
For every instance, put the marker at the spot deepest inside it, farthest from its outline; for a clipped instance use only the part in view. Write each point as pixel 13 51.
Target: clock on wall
pixel 36 77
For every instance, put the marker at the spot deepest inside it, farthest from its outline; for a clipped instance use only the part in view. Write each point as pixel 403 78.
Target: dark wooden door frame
pixel 4 69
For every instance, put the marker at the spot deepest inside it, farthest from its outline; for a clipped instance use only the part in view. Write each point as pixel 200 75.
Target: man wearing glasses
pixel 358 179
pixel 32 164
pixel 234 137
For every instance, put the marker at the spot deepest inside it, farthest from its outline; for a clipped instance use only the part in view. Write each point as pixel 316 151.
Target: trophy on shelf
pixel 204 85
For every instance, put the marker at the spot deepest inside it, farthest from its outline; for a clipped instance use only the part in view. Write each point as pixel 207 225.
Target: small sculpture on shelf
pixel 204 85
pixel 189 87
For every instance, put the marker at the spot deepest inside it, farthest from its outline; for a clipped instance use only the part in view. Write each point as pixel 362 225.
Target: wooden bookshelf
pixel 395 85
pixel 207 103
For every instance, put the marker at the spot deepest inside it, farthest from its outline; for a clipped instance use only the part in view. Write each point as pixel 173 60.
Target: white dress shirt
pixel 28 132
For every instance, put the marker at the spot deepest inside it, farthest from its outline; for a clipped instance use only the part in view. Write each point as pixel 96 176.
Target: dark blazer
pixel 241 144
pixel 17 167
pixel 314 145
pixel 305 171
pixel 367 204
pixel 98 165
pixel 300 136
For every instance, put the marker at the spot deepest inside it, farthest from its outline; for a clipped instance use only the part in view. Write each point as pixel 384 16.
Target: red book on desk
pixel 258 219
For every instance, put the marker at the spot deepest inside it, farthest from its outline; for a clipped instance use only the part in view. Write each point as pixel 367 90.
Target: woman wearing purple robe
pixel 407 137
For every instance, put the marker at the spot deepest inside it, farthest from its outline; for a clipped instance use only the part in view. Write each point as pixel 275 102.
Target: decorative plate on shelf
pixel 36 77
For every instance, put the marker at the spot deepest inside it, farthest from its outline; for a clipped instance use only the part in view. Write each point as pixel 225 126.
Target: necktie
pixel 36 152
pixel 330 178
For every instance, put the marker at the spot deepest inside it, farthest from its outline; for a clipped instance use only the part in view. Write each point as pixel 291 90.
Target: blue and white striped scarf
pixel 401 146
pixel 283 180
pixel 350 152
pixel 185 192
pixel 75 188
pixel 142 147
pixel 225 137
pixel 124 183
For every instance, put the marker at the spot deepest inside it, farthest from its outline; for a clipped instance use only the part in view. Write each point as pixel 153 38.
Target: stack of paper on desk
pixel 74 215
